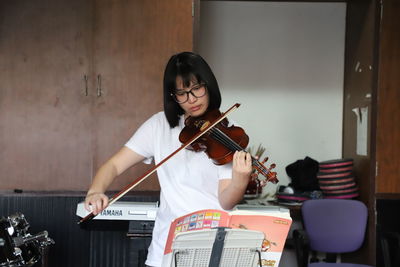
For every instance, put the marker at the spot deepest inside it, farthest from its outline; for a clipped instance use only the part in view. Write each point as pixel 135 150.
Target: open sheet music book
pixel 274 223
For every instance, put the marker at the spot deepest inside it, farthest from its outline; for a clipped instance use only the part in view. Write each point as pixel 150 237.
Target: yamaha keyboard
pixel 128 224
pixel 124 210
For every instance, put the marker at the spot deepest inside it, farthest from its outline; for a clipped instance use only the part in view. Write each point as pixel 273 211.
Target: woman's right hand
pixel 96 202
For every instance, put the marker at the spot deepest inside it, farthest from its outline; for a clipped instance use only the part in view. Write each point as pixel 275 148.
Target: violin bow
pixel 140 179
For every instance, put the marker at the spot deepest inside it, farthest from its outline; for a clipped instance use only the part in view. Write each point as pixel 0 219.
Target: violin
pixel 211 134
pixel 221 141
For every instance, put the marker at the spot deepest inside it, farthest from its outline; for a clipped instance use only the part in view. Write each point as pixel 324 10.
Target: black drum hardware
pixel 19 248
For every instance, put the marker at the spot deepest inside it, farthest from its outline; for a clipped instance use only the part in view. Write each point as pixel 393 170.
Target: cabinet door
pixel 45 141
pixel 132 42
pixel 388 100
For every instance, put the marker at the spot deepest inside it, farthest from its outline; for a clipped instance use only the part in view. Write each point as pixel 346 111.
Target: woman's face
pixel 197 100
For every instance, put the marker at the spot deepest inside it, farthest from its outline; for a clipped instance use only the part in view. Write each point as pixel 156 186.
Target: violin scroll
pixel 266 172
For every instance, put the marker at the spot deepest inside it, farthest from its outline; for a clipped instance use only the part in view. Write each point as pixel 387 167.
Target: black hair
pixel 188 65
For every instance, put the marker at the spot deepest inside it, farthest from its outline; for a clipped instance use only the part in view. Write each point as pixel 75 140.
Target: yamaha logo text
pixel 108 212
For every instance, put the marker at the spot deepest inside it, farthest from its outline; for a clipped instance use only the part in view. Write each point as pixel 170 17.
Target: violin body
pixel 221 141
pixel 210 142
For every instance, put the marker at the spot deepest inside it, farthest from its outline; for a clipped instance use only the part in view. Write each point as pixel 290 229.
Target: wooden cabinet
pixel 371 81
pixel 387 127
pixel 77 79
pixel 386 132
pixel 132 67
pixel 45 122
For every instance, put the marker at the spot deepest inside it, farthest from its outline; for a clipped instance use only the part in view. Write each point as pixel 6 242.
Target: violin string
pixel 232 145
pixel 227 141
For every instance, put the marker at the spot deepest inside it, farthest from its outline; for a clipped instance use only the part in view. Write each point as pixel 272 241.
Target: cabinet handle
pixel 86 84
pixel 99 85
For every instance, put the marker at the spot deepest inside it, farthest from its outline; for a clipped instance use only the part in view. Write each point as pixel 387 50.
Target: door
pixel 45 121
pixel 133 41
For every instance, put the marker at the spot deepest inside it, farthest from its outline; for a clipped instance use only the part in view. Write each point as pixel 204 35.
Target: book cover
pixel 274 225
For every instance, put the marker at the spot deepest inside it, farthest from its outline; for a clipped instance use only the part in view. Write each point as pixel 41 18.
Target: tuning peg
pixel 265 160
pixel 273 178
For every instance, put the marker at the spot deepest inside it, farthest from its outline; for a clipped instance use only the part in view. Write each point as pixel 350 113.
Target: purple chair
pixel 332 226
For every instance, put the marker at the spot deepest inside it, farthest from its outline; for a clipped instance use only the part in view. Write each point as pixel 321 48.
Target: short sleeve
pixel 225 171
pixel 142 141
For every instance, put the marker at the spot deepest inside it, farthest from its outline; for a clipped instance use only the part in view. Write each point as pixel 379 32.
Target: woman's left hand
pixel 230 191
pixel 241 168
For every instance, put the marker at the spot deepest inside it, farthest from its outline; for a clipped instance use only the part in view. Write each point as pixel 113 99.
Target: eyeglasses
pixel 182 96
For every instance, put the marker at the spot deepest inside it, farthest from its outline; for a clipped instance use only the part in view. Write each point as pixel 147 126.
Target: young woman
pixel 189 181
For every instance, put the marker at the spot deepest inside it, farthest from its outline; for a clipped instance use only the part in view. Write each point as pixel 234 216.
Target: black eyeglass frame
pixel 173 95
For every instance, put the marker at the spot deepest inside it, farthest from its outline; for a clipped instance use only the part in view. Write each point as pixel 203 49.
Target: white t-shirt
pixel 188 180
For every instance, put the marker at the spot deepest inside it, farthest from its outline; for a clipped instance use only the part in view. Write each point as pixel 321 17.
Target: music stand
pixel 217 247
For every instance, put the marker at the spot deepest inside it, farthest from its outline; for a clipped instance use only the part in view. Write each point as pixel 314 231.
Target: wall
pixel 284 63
